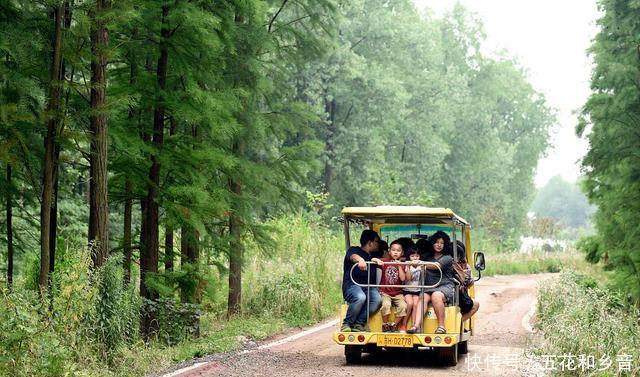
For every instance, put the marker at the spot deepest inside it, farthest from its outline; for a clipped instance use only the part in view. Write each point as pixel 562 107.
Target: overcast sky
pixel 549 38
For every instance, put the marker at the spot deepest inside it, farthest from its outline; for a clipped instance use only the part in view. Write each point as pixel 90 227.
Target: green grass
pixel 579 317
pixel 534 263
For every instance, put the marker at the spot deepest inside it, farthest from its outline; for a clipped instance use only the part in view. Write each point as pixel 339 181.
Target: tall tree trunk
pixel 9 228
pixel 126 238
pixel 149 260
pixel 53 230
pixel 235 243
pixel 327 177
pixel 98 203
pixel 168 248
pixel 53 111
pixel 189 253
pixel 128 184
pixel 168 231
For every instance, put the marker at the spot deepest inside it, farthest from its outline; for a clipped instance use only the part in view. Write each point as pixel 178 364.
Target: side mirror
pixel 478 257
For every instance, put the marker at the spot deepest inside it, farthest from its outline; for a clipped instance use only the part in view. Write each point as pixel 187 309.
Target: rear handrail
pixel 421 287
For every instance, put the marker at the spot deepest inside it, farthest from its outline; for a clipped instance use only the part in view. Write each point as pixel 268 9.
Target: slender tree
pixel 149 259
pixel 98 191
pixel 9 203
pixel 53 122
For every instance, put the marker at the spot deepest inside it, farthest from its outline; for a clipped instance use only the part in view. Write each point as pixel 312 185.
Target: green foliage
pixel 90 326
pixel 564 202
pixel 299 282
pixel 592 247
pixel 579 317
pixel 115 317
pixel 28 345
pixel 612 115
pixel 416 115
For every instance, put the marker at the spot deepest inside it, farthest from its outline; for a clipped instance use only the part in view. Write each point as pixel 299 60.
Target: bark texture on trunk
pixel 168 248
pixel 235 244
pixel 149 259
pixel 327 176
pixel 98 193
pixel 53 220
pixel 53 121
pixel 126 238
pixel 9 228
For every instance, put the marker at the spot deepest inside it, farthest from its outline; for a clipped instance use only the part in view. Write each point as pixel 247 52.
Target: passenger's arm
pixel 355 258
pixel 402 272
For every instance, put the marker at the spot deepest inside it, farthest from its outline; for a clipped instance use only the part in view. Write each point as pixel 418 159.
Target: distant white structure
pixel 532 244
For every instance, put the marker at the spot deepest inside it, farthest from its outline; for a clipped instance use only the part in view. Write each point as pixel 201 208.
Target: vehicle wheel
pixel 463 347
pixel 353 354
pixel 448 355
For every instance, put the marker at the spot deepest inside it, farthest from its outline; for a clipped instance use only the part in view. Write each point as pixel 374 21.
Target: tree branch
pixel 276 15
pixel 291 22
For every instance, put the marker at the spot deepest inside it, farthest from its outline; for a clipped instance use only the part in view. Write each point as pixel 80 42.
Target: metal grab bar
pixel 421 287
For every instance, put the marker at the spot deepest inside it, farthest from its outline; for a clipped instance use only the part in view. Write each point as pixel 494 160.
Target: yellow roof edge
pixel 401 210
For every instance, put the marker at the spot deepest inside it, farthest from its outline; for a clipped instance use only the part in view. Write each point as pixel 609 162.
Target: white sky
pixel 549 38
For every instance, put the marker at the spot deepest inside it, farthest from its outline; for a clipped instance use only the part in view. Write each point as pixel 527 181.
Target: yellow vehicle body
pixel 392 221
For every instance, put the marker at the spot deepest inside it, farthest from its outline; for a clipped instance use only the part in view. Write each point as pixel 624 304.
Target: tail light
pixel 341 338
pixel 427 339
pixel 447 340
pixel 360 338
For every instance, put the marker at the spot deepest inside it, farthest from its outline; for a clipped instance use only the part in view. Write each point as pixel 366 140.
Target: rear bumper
pixel 420 340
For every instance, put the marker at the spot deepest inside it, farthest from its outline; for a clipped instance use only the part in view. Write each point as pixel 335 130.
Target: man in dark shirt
pixel 353 294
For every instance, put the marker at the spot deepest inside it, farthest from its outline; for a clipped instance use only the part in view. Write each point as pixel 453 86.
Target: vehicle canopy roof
pixel 403 215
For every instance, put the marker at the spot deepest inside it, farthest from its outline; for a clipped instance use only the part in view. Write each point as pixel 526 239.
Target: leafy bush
pixel 29 344
pixel 301 281
pixel 177 321
pixel 288 296
pixel 114 319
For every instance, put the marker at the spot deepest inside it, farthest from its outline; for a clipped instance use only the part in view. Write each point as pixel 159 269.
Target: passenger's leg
pixel 438 300
pixel 420 310
pixel 385 307
pixel 474 309
pixel 401 310
pixel 409 300
pixel 356 299
pixel 374 304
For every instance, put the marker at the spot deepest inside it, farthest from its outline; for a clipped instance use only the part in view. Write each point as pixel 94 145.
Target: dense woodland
pixel 611 120
pixel 162 135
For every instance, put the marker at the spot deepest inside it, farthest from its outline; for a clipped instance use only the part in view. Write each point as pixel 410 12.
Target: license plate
pixel 395 341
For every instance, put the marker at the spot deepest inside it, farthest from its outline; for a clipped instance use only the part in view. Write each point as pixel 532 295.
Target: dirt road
pixel 496 349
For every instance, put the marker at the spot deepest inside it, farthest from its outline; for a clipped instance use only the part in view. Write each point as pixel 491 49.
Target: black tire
pixel 448 355
pixel 353 354
pixel 463 347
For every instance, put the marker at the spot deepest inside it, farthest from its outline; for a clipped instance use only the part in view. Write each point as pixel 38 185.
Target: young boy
pixel 392 274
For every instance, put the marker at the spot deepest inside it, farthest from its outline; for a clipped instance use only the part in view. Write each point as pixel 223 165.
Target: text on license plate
pixel 395 341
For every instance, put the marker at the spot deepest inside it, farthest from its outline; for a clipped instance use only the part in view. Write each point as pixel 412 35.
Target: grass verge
pixel 580 320
pixel 536 262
